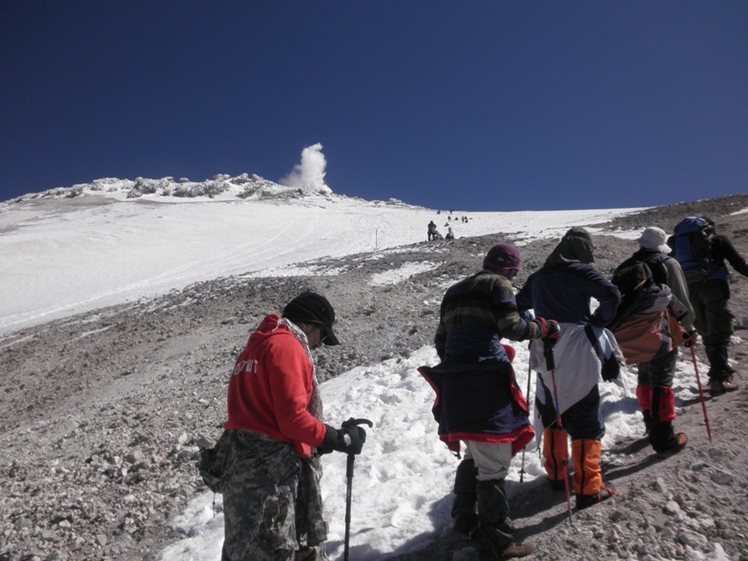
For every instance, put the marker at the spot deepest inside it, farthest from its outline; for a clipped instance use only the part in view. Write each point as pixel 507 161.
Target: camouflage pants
pixel 272 503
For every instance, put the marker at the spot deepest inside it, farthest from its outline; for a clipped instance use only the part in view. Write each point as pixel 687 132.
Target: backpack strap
pixel 656 263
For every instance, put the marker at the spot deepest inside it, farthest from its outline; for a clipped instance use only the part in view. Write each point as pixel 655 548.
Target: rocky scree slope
pixel 103 414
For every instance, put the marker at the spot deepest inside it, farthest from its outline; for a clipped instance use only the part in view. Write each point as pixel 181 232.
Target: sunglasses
pixel 322 330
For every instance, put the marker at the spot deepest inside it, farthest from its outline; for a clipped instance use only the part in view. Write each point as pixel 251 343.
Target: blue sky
pixel 469 105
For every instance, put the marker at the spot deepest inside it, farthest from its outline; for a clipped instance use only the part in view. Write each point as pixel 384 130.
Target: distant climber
pixel 432 233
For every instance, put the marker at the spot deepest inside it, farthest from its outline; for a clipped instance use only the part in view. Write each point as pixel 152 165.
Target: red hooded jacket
pixel 271 387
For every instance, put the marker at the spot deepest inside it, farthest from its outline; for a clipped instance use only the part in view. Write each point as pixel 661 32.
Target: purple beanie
pixel 502 256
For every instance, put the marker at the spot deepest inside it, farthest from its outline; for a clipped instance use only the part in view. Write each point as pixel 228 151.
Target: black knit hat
pixel 309 307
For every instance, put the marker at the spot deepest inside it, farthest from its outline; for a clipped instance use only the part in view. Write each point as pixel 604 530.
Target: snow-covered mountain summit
pixel 74 249
pixel 220 186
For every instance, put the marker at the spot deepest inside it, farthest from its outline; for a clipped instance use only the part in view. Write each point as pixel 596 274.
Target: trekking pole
pixel 527 399
pixel 550 363
pixel 349 484
pixel 701 392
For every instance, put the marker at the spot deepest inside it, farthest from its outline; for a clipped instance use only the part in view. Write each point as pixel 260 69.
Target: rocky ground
pixel 102 415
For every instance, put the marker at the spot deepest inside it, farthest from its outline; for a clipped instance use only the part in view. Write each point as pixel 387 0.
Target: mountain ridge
pixel 221 186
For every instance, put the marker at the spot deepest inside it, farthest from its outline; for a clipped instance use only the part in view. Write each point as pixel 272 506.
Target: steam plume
pixel 310 172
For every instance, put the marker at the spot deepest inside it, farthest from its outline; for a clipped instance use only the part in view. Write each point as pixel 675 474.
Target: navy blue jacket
pixel 562 292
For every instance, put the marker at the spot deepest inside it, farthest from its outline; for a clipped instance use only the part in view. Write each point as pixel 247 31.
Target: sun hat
pixel 502 256
pixel 654 238
pixel 309 307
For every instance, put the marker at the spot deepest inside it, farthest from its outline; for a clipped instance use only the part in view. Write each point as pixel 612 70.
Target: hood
pixel 271 325
pixel 575 247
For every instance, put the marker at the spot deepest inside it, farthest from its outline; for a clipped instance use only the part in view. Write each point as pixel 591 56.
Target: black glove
pixel 349 438
pixel 549 328
pixel 689 338
pixel 610 369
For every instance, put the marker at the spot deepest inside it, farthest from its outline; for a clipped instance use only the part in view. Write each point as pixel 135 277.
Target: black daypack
pixel 693 247
pixel 630 276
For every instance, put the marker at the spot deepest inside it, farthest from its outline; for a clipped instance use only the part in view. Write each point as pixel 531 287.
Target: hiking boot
pixel 717 387
pixel 680 443
pixel 586 501
pixel 492 540
pixel 517 550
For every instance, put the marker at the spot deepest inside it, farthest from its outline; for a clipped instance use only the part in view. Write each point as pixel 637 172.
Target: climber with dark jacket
pixel 478 401
pixel 562 290
pixel 710 295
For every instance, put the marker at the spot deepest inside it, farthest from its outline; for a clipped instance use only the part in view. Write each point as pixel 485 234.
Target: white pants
pixel 492 460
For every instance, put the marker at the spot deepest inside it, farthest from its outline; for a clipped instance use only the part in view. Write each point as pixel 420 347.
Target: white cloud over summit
pixel 310 172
